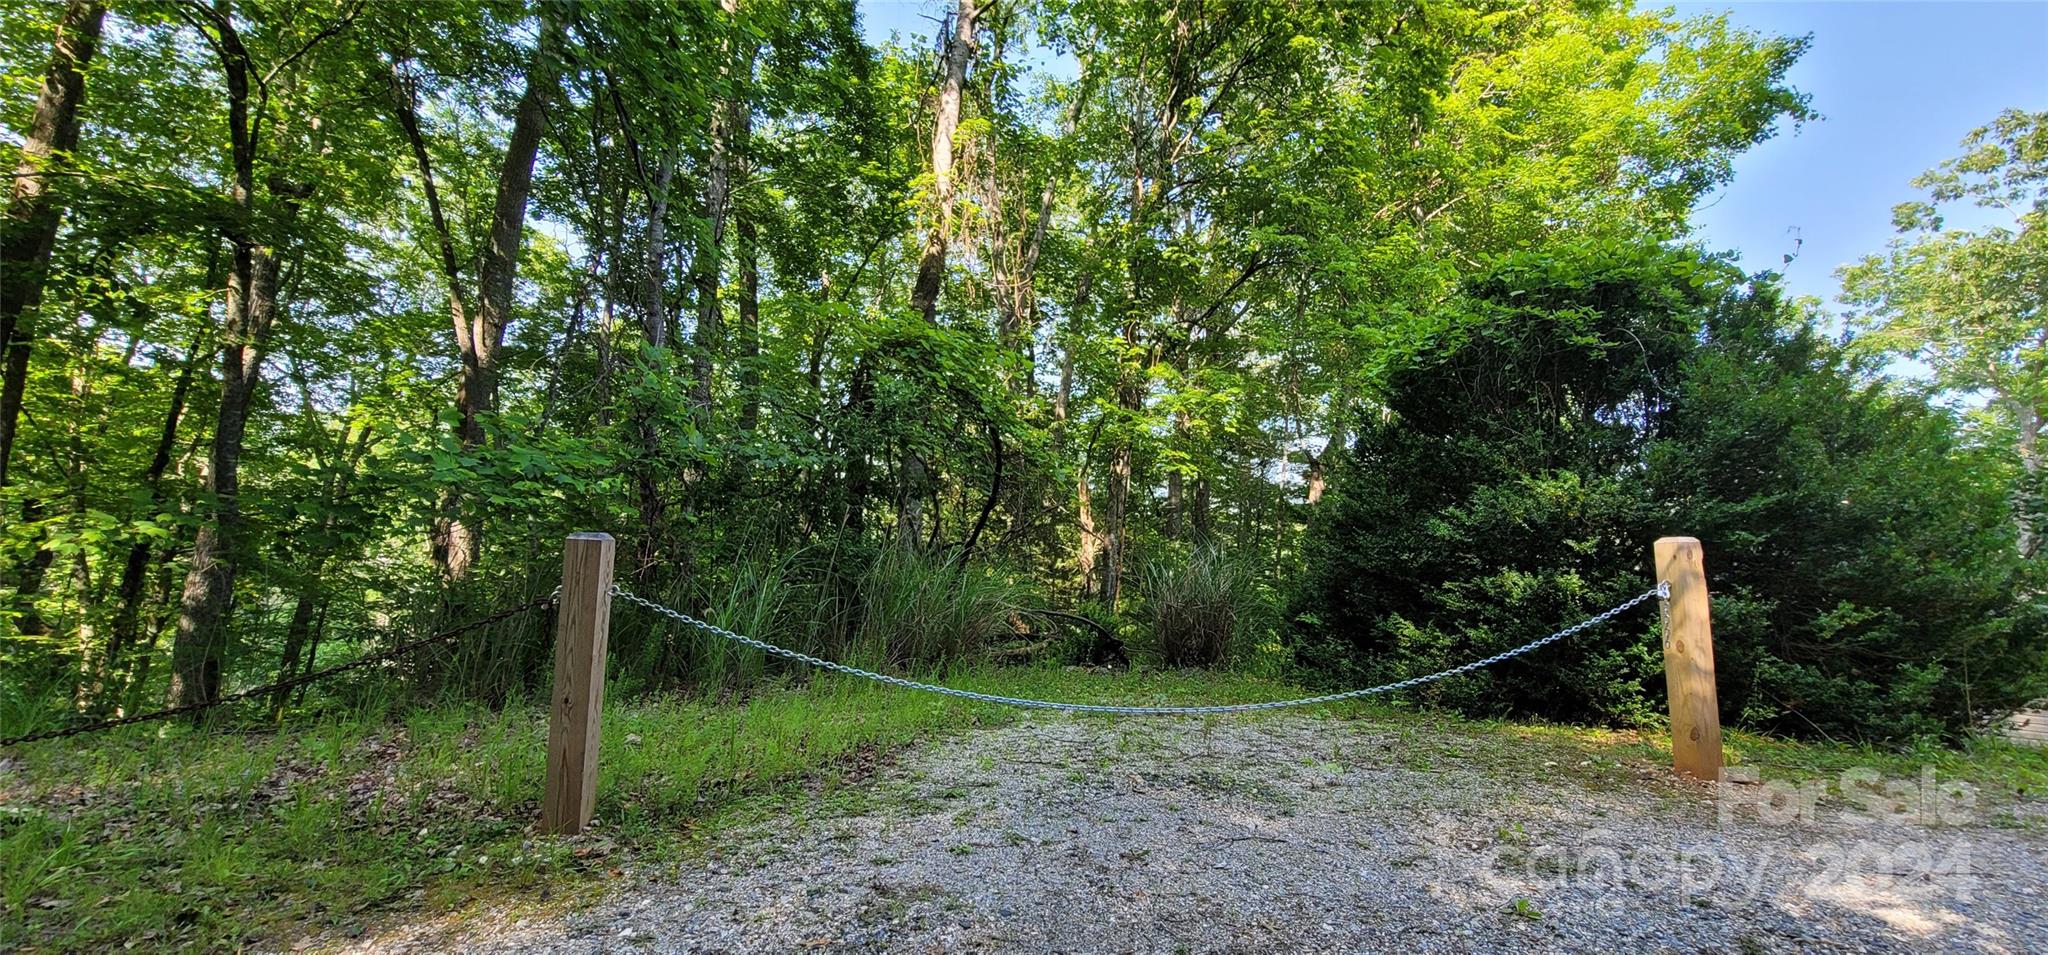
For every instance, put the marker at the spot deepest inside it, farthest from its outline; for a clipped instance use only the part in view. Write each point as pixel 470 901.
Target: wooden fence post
pixel 1689 660
pixel 583 628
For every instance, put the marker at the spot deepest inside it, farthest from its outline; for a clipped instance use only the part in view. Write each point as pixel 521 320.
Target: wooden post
pixel 1689 660
pixel 583 628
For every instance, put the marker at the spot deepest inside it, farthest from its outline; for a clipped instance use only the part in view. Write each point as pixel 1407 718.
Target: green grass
pixel 171 837
pixel 174 838
pixel 1998 771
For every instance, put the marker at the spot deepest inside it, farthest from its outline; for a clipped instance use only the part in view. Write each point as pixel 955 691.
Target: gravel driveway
pixel 1312 833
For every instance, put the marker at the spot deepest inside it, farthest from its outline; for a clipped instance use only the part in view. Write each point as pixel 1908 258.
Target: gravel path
pixel 1305 833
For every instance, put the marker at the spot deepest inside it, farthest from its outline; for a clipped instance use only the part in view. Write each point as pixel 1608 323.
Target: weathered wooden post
pixel 1689 660
pixel 583 628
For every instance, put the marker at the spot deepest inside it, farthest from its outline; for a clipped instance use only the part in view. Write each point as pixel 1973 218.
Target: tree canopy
pixel 325 321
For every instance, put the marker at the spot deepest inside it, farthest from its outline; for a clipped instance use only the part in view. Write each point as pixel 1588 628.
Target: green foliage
pixel 921 612
pixel 1859 549
pixel 1972 307
pixel 765 600
pixel 1196 608
pixel 1232 235
pixel 1579 403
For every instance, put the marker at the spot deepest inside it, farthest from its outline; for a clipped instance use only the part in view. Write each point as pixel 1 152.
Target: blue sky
pixel 1898 83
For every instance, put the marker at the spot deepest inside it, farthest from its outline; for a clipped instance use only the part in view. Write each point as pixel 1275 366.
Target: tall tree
pixel 957 56
pixel 1973 305
pixel 960 47
pixel 457 533
pixel 730 124
pixel 251 312
pixel 28 231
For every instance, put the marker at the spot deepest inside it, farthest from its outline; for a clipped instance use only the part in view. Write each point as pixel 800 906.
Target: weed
pixel 33 856
pixel 764 600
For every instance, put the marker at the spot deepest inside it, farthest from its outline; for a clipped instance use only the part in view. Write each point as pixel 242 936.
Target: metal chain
pixel 235 697
pixel 1662 590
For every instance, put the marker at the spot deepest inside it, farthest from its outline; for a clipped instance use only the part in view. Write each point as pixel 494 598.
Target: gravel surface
pixel 1307 833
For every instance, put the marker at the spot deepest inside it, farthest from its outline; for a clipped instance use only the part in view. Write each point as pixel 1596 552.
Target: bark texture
pixel 28 232
pixel 457 535
pixel 931 266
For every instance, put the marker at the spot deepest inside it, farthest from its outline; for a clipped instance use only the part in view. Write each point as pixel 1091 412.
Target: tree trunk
pixel 652 500
pixel 197 653
pixel 135 570
pixel 1088 552
pixel 457 536
pixel 295 639
pixel 89 661
pixel 1319 464
pixel 145 654
pixel 312 651
pixel 346 460
pixel 915 475
pixel 654 320
pixel 706 267
pixel 860 399
pixel 199 645
pixel 1089 546
pixel 404 92
pixel 1025 294
pixel 931 266
pixel 1130 400
pixel 29 229
pixel 750 326
pixel 657 329
pixel 1176 496
pixel 1020 315
pixel 731 121
pixel 2032 506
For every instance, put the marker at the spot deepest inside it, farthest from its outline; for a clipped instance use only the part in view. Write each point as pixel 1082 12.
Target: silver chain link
pixel 1662 590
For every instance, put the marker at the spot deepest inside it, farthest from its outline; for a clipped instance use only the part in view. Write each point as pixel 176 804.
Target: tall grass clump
pixel 922 612
pixel 1195 606
pixel 765 599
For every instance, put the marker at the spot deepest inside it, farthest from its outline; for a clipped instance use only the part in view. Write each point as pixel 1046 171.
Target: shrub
pixel 921 612
pixel 766 600
pixel 1574 408
pixel 1194 605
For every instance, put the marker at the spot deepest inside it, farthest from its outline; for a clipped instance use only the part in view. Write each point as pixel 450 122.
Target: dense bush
pixel 1573 407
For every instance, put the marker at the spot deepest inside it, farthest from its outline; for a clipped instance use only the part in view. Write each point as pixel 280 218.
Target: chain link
pixel 285 684
pixel 1662 590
